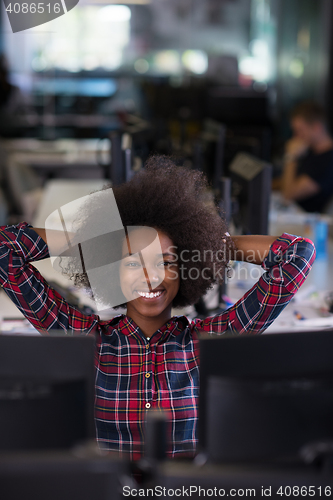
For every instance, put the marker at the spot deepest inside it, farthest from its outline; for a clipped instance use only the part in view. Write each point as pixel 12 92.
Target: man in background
pixel 308 163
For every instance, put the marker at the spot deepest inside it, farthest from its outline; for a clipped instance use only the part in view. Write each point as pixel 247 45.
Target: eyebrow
pixel 167 254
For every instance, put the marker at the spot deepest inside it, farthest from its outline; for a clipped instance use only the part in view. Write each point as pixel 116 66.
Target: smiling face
pixel 149 274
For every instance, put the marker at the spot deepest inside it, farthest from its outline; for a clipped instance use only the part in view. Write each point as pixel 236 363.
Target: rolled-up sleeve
pixel 287 265
pixel 40 304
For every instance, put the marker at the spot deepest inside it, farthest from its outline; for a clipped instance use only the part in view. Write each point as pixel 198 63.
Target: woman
pixel 146 358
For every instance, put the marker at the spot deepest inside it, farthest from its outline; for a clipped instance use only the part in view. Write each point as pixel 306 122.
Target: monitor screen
pixel 46 392
pixel 251 186
pixel 265 397
pixel 92 87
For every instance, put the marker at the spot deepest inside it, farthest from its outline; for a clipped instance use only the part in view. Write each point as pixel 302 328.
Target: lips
pixel 150 295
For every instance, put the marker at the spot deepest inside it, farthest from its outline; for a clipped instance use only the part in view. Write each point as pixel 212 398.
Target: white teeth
pixel 150 295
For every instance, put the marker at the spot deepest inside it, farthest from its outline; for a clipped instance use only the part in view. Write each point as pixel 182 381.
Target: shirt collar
pixel 127 326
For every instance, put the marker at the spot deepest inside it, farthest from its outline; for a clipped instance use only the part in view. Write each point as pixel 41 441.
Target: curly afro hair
pixel 173 200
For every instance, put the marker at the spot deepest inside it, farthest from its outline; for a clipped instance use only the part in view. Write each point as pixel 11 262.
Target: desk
pixel 49 157
pixel 310 299
pixel 62 151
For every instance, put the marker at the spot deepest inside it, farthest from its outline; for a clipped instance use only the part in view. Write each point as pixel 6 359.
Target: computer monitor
pixel 60 475
pixel 263 398
pixel 251 186
pixel 46 392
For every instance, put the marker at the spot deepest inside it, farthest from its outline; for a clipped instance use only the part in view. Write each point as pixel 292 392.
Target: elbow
pixel 305 254
pixel 309 252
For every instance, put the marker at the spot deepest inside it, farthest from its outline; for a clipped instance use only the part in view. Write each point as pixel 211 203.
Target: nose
pixel 153 276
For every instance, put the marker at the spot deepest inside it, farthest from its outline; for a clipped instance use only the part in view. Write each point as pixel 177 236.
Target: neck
pixel 148 325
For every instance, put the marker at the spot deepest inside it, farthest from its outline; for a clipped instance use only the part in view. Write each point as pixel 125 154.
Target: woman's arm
pixel 57 241
pixel 252 248
pixel 40 304
pixel 41 232
pixel 287 263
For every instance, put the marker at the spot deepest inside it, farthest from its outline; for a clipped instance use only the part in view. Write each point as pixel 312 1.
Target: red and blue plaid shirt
pixel 133 373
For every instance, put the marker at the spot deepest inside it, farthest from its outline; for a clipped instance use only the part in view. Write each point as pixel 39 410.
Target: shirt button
pixel 148 338
pixel 147 375
pixel 147 405
pixel 147 346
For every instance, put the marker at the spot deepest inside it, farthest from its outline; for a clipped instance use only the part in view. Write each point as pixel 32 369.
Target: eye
pixel 132 264
pixel 167 263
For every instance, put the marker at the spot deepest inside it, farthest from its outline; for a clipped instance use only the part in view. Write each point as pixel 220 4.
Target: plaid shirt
pixel 134 373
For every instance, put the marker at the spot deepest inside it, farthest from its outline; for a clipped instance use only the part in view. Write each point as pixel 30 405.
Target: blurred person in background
pixel 308 162
pixel 13 106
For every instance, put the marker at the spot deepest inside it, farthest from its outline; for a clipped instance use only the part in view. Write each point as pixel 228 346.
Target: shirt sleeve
pixel 287 265
pixel 40 304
